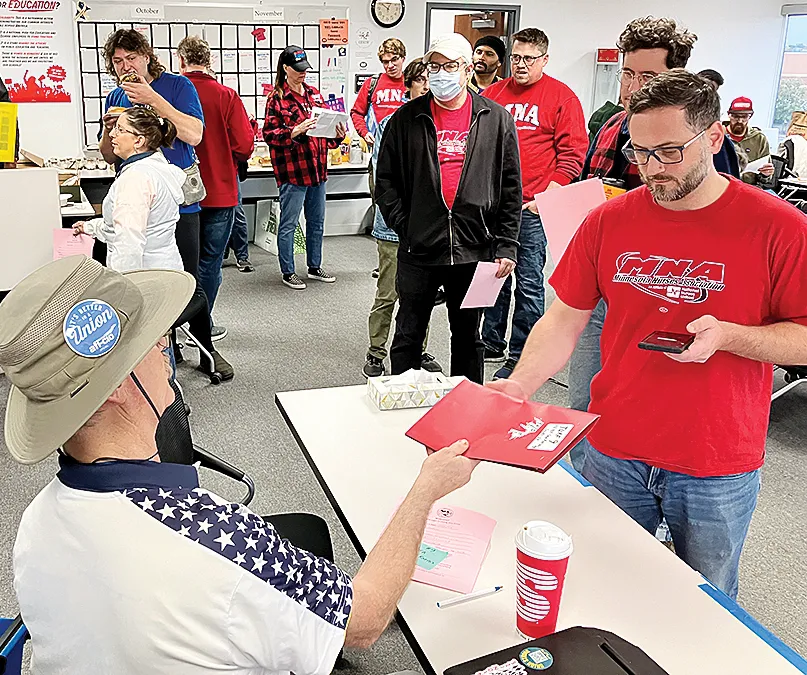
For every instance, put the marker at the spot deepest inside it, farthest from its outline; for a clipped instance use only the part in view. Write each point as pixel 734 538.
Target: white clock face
pixel 388 12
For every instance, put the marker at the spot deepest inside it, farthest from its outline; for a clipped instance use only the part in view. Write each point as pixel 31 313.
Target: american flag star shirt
pixel 131 567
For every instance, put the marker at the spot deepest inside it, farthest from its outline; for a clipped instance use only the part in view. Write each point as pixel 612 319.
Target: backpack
pixel 373 84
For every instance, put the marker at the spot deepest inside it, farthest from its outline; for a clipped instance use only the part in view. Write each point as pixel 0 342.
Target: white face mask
pixel 446 86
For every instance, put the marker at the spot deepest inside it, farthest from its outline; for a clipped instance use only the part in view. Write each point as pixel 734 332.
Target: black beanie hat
pixel 494 43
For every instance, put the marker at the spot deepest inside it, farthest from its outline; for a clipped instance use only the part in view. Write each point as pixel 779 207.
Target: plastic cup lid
pixel 544 540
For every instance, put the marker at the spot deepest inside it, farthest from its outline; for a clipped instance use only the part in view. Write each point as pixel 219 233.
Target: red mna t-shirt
pixel 452 141
pixel 741 260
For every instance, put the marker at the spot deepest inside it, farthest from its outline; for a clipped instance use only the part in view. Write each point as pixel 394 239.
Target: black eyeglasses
pixel 515 59
pixel 668 154
pixel 449 67
pixel 389 62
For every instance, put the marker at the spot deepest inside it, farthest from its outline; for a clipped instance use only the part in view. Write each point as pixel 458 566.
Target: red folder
pixel 500 428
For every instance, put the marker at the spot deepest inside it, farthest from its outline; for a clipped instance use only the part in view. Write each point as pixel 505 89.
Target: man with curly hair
pixel 380 95
pixel 649 46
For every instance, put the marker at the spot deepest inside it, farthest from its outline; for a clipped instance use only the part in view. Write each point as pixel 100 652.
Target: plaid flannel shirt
pixel 303 160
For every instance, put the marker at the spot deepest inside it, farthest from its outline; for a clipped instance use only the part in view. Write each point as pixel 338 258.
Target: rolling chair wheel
pixel 215 378
pixel 789 378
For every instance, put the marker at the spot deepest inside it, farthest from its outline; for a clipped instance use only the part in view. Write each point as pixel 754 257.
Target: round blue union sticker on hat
pixel 91 328
pixel 536 658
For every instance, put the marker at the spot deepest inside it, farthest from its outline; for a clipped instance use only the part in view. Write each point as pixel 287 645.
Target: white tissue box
pixel 413 389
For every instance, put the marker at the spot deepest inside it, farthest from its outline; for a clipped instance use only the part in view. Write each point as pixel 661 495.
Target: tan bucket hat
pixel 70 333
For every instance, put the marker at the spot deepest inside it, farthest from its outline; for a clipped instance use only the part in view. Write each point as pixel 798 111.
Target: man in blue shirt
pixel 143 80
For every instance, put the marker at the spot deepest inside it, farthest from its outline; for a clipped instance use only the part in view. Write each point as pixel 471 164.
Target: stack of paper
pixel 500 428
pixel 327 121
pixel 454 546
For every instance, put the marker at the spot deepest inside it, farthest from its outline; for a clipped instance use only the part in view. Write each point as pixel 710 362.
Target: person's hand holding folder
pixel 445 471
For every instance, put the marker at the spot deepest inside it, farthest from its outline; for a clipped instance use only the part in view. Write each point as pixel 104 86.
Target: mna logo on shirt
pixel 674 281
pixel 389 96
pixel 452 142
pixel 524 112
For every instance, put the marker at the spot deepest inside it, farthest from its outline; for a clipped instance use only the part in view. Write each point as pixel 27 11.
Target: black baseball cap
pixel 295 57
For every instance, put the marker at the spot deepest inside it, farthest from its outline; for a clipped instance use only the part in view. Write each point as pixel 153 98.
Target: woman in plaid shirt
pixel 300 164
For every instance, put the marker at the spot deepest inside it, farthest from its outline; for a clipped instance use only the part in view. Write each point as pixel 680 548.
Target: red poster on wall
pixel 36 50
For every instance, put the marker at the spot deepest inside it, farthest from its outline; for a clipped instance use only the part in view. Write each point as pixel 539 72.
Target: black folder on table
pixel 574 651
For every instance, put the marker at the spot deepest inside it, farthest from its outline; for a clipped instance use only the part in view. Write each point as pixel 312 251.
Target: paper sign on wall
pixel 36 58
pixel 260 14
pixel 333 31
pixel 362 48
pixel 147 12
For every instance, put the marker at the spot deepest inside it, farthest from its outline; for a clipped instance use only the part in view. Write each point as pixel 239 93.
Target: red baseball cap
pixel 741 104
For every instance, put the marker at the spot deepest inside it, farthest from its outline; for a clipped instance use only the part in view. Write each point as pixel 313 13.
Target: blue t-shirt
pixel 180 93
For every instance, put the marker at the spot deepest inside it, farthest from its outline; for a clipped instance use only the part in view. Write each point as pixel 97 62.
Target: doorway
pixel 473 21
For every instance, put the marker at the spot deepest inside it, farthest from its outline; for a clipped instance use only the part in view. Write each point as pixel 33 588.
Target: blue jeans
pixel 583 366
pixel 708 517
pixel 239 239
pixel 216 225
pixel 529 291
pixel 292 200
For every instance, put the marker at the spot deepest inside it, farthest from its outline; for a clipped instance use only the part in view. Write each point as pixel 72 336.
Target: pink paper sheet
pixel 564 209
pixel 484 288
pixel 465 536
pixel 66 244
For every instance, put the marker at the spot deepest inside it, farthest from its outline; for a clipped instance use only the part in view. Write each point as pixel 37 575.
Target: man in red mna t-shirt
pixel 388 91
pixel 552 141
pixel 682 436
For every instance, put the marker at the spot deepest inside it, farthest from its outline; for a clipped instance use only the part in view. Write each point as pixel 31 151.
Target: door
pixel 475 26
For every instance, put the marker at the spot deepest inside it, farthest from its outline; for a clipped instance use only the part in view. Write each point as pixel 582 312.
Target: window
pixel 792 93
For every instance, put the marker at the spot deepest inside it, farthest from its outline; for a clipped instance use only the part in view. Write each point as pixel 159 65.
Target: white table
pixel 619 579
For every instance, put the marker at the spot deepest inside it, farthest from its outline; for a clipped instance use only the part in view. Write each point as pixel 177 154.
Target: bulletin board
pixel 244 57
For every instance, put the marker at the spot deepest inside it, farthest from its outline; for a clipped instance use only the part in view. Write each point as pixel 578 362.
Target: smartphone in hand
pixel 672 343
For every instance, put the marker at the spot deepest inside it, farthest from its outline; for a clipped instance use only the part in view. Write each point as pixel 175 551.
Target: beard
pixel 482 68
pixel 672 189
pixel 737 129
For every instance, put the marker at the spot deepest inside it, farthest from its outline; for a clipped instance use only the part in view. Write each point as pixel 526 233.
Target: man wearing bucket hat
pixel 122 564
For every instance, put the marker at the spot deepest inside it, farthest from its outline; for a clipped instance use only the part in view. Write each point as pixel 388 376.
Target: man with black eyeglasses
pixel 552 140
pixel 717 263
pixel 449 184
pixel 649 46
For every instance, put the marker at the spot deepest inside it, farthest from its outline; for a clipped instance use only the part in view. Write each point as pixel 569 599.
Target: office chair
pixel 11 644
pixel 198 303
pixel 176 445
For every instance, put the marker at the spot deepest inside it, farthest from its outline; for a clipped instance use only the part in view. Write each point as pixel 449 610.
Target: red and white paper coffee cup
pixel 542 555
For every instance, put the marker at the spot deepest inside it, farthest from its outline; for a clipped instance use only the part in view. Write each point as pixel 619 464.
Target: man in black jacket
pixel 448 183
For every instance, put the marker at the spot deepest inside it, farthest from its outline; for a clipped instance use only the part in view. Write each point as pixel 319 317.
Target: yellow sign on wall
pixel 8 131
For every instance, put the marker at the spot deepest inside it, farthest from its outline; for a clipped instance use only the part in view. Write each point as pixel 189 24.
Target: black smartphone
pixel 661 341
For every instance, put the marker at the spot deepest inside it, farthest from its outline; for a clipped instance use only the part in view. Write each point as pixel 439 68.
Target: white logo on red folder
pixel 526 429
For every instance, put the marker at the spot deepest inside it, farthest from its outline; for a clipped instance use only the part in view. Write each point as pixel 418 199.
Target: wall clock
pixel 387 13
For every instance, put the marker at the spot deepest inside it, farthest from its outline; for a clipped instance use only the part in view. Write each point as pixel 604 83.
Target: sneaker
pixel 493 355
pixel 221 365
pixel 428 362
pixel 244 265
pixel 218 333
pixel 320 275
pixel 506 370
pixel 373 367
pixel 375 273
pixel 440 298
pixel 293 281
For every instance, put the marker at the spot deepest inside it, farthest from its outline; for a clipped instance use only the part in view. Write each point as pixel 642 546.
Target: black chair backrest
pixel 174 441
